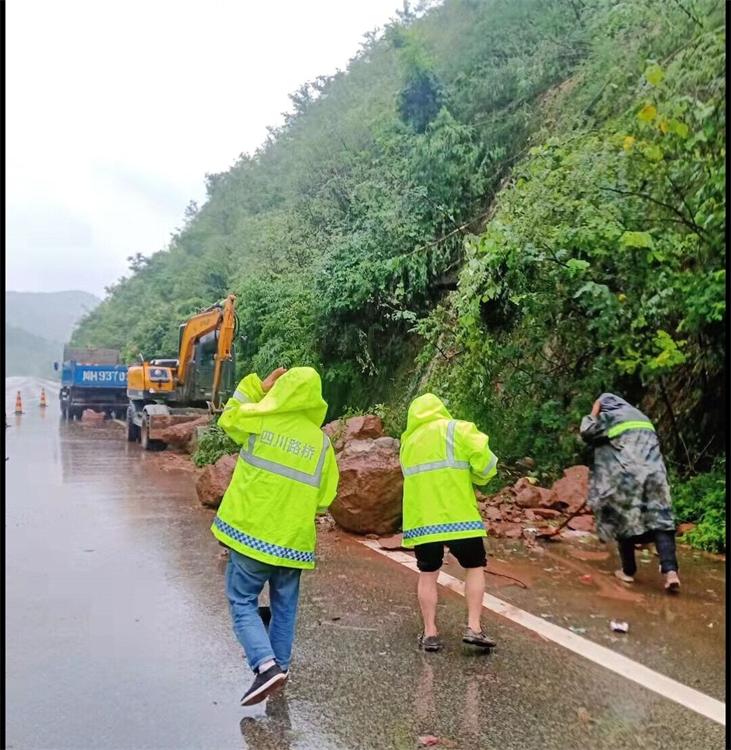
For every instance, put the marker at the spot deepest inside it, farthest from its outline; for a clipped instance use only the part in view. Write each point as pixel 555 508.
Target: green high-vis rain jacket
pixel 441 458
pixel 286 471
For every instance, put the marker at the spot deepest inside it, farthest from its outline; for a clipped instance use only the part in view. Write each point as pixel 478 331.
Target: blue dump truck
pixel 92 379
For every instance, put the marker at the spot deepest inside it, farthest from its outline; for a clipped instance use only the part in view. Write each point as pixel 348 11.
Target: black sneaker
pixel 264 684
pixel 477 638
pixel 430 643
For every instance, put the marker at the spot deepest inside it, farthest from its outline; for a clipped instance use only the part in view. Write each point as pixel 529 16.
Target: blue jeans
pixel 245 579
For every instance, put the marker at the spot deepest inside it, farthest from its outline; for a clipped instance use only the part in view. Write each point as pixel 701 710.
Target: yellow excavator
pixel 166 392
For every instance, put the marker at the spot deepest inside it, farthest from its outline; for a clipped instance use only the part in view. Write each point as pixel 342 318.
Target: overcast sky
pixel 115 111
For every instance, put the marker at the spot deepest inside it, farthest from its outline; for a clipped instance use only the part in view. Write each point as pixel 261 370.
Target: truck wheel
pixel 133 431
pixel 145 436
pixel 146 442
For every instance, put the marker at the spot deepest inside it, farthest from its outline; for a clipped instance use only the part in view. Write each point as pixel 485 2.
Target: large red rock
pixel 214 480
pixel 582 523
pixel 342 431
pixel 360 428
pixel 570 492
pixel 180 435
pixel 369 492
pixel 529 495
pixel 334 430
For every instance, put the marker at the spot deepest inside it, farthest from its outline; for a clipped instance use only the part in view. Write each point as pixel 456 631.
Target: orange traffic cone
pixel 18 404
pixel 43 398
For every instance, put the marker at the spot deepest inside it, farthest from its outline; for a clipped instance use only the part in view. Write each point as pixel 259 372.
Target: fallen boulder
pixel 582 523
pixel 214 480
pixel 343 431
pixel 529 495
pixel 570 492
pixel 181 434
pixel 369 491
pixel 360 428
pixel 334 431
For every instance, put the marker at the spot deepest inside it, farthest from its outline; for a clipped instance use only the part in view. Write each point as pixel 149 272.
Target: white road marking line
pixel 675 691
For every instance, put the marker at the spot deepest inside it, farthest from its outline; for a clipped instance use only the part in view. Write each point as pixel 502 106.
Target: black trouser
pixel 664 544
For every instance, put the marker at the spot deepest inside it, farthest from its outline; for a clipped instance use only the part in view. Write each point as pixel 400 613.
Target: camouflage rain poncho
pixel 628 488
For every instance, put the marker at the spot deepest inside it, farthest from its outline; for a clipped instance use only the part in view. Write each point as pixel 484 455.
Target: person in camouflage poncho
pixel 628 489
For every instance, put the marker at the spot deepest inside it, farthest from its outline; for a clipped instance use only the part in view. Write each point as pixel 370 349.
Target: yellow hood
pixel 425 409
pixel 299 389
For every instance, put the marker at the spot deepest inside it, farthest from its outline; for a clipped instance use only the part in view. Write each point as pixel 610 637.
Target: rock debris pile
pixel 526 509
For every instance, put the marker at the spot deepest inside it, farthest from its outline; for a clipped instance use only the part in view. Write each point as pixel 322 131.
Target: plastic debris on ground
pixel 584 716
pixel 428 740
pixel 578 631
pixel 619 627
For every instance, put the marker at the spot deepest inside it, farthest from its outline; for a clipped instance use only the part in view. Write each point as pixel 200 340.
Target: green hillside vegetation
pixel 515 203
pixel 37 324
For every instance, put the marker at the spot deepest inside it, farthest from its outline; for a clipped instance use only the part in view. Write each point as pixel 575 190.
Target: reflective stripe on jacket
pixel 441 458
pixel 616 417
pixel 286 472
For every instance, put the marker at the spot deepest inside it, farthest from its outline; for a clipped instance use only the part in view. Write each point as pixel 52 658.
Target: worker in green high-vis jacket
pixel 285 475
pixel 441 458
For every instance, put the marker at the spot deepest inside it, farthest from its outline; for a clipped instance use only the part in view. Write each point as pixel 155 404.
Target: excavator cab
pixel 201 371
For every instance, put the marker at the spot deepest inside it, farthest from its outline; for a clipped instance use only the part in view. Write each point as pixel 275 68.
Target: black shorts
pixel 470 553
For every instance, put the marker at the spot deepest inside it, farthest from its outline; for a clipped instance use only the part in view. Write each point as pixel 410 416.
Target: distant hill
pixel 37 324
pixel 50 315
pixel 26 354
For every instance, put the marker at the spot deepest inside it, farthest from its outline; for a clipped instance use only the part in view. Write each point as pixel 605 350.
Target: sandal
pixel 430 643
pixel 477 638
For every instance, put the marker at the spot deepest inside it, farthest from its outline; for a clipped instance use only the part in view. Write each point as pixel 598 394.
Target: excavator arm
pixel 225 344
pixel 220 315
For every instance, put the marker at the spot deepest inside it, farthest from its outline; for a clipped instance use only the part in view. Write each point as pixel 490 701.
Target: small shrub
pixel 213 444
pixel 702 500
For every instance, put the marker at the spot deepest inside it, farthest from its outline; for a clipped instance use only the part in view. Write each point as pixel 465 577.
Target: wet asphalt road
pixel 118 634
